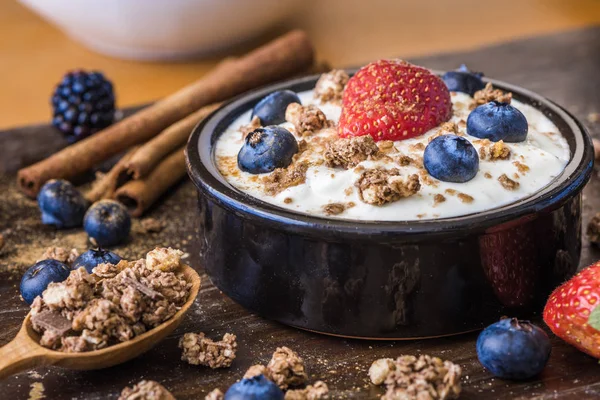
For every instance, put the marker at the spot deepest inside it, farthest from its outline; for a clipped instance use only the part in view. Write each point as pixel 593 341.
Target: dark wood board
pixel 563 67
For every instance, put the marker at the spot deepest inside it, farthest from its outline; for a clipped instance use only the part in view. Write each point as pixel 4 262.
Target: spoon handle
pixel 20 355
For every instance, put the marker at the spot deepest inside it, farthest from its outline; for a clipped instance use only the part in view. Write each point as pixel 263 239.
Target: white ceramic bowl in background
pixel 162 29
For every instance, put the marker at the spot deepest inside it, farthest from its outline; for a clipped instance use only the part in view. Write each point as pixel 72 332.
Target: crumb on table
pixel 152 225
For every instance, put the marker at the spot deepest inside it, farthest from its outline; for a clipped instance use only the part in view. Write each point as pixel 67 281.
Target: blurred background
pixel 150 48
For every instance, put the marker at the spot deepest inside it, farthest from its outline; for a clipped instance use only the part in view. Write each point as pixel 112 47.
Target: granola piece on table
pixel 200 350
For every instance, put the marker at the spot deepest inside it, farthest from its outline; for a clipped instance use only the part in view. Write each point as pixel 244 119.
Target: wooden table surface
pixel 563 67
pixel 34 55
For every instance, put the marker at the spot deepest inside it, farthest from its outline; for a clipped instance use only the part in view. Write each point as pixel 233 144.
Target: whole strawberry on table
pixel 572 311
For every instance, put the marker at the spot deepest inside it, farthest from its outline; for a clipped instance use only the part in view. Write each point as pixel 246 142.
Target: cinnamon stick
pixel 279 59
pixel 175 136
pixel 138 195
pixel 104 187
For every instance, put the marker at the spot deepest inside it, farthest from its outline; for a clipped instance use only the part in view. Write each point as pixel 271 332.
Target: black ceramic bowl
pixel 388 279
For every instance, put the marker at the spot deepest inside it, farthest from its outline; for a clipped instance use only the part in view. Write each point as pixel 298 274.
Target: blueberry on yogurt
pixel 271 109
pixel 91 258
pixel 37 278
pixel 255 388
pixel 61 204
pixel 451 158
pixel 266 149
pixel 463 80
pixel 497 121
pixel 107 222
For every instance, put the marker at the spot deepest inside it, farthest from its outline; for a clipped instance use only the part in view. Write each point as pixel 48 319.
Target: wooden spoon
pixel 24 351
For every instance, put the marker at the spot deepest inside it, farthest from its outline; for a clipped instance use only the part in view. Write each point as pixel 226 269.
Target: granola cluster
pixel 423 378
pixel 330 86
pixel 337 208
pixel 380 186
pixel 523 168
pixel 446 128
pixel 113 304
pixel 286 368
pixel 316 391
pixel 348 153
pixel 246 129
pixel 508 183
pixel 146 390
pixel 494 151
pixel 283 178
pixel 256 370
pixel 306 119
pixel 216 394
pixel 200 350
pixel 488 94
pixel 60 254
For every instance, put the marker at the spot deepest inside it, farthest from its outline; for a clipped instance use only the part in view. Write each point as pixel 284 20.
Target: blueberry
pixel 92 258
pixel 37 277
pixel 497 121
pixel 451 158
pixel 266 149
pixel 255 388
pixel 61 204
pixel 463 80
pixel 513 349
pixel 271 109
pixel 107 222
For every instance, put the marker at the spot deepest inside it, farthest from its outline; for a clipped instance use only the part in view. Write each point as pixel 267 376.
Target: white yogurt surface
pixel 545 152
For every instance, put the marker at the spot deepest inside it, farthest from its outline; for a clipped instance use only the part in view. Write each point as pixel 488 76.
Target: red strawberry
pixel 572 313
pixel 393 100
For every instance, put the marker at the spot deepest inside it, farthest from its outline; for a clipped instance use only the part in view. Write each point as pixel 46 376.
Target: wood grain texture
pixel 34 55
pixel 563 67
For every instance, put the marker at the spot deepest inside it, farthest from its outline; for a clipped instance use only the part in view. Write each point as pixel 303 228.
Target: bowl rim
pixel 208 180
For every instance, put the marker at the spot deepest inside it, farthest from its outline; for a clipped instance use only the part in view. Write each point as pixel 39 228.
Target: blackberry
pixel 83 103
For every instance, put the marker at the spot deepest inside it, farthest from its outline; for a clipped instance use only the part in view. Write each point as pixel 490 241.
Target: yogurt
pixel 532 165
